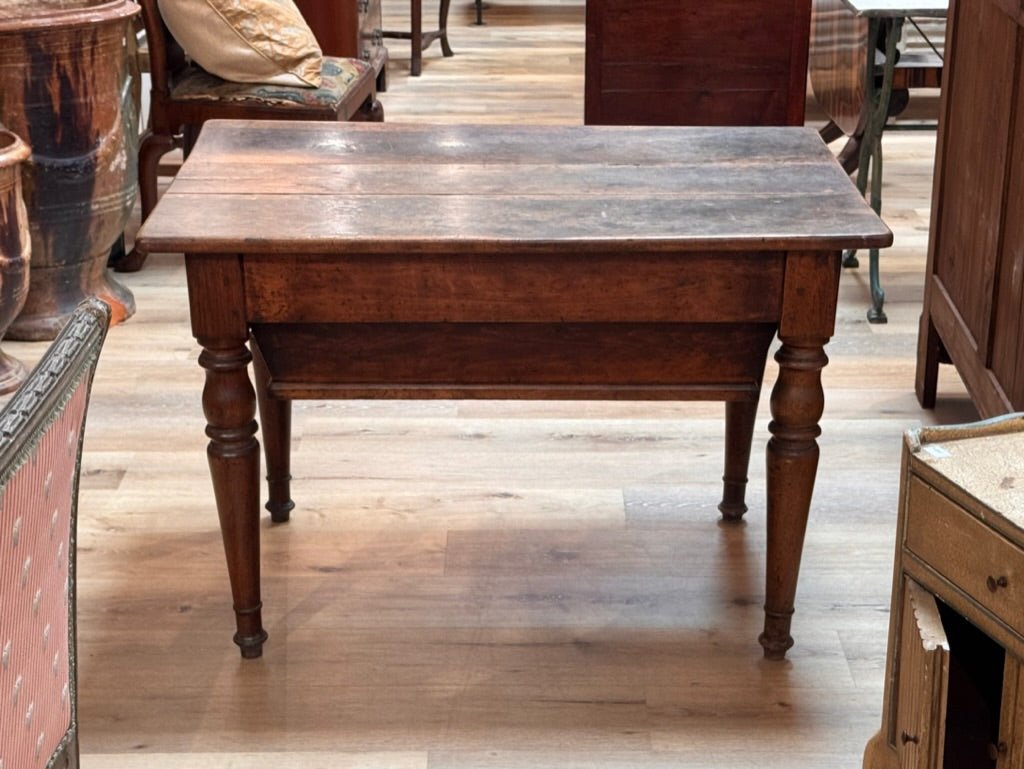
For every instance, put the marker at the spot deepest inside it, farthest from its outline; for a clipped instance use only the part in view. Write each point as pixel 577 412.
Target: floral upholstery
pixel 337 75
pixel 40 450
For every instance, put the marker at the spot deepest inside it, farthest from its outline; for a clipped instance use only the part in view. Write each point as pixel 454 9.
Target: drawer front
pixel 982 563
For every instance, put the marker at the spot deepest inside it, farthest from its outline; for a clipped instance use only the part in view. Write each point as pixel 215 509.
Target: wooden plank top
pixel 292 187
pixel 984 459
pixel 899 9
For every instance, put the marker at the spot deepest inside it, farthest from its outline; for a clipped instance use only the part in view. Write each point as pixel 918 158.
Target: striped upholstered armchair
pixel 40 456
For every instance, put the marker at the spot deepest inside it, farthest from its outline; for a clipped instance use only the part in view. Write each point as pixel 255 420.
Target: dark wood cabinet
pixel 973 312
pixel 350 28
pixel 694 62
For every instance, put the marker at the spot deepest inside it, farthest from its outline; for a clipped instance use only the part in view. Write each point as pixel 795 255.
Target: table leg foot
pixel 251 646
pixel 776 639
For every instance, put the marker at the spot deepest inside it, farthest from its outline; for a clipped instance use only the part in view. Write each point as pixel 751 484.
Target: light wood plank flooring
pixel 482 585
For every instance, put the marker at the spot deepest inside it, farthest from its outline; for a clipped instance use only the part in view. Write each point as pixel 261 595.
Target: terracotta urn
pixel 65 89
pixel 15 249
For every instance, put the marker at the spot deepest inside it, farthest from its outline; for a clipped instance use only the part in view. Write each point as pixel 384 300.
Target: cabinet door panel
pixel 1008 330
pixel 974 163
pixel 923 680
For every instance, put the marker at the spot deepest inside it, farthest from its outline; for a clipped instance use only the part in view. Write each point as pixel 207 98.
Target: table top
pixel 296 187
pixel 899 8
pixel 985 459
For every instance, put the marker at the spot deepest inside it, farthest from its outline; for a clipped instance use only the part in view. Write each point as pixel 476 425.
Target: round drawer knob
pixel 905 738
pixel 994 583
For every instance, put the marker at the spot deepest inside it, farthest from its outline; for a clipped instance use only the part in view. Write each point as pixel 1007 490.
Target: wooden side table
pixel 526 262
pixel 954 693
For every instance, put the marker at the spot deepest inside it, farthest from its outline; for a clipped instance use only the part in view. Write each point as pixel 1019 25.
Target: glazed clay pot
pixel 64 88
pixel 15 248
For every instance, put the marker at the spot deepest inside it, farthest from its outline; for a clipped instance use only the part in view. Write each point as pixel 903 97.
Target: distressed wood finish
pixel 463 283
pixel 973 291
pixel 682 62
pixel 64 89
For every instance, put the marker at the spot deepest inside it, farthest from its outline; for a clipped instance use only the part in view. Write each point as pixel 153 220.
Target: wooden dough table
pixel 415 261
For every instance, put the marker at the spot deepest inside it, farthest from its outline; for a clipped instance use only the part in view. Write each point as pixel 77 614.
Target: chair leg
pixel 416 36
pixel 442 26
pixel 370 111
pixel 152 147
pixel 830 132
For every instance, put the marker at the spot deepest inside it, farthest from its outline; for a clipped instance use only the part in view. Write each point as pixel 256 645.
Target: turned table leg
pixel 797 403
pixel 276 424
pixel 229 404
pixel 739 434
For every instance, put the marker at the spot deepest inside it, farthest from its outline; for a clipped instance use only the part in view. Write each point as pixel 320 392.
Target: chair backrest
pixel 836 63
pixel 40 458
pixel 166 57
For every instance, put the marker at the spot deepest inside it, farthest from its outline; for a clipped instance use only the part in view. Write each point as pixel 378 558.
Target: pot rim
pixel 49 19
pixel 13 149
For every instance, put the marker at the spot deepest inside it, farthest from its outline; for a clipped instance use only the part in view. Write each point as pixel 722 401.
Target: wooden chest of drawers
pixel 350 28
pixel 954 693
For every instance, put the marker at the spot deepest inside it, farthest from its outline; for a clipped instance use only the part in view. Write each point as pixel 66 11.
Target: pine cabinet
pixel 954 692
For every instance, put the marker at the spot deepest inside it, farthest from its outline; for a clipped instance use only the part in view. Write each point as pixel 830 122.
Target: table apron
pixel 677 361
pixel 573 286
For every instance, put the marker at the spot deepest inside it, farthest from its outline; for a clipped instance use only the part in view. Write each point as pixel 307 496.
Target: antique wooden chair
pixel 420 40
pixel 40 457
pixel 183 96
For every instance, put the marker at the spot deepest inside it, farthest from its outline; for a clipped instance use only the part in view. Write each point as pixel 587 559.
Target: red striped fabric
pixel 35 550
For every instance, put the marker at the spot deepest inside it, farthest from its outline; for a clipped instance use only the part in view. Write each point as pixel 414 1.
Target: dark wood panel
pixel 1008 331
pixel 682 62
pixel 974 164
pixel 541 287
pixel 974 288
pixel 498 357
pixel 335 23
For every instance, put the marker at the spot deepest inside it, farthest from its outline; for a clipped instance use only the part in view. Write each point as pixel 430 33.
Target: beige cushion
pixel 246 41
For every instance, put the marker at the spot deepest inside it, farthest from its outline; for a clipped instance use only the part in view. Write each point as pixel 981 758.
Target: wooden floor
pixel 483 585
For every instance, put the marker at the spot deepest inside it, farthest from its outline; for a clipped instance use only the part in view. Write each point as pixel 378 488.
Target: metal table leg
pixel 870 162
